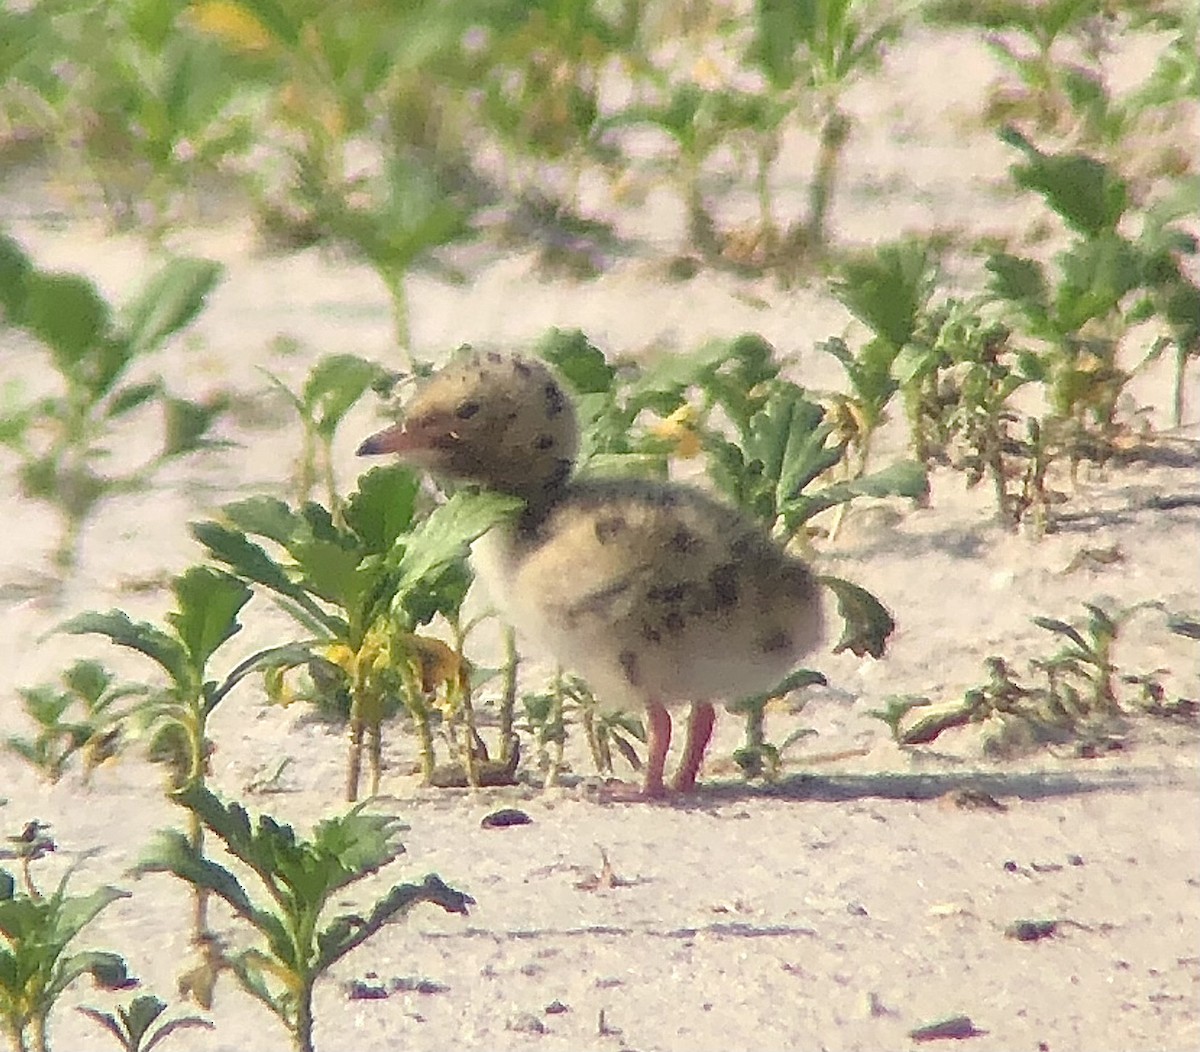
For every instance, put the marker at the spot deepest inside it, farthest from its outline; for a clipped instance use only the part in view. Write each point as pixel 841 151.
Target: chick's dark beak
pixel 394 439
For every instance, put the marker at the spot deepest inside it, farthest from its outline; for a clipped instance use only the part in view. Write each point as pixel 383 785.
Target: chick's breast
pixel 654 592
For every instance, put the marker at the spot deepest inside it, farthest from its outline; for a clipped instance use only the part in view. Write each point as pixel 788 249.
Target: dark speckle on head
pixel 683 541
pixel 651 634
pixel 629 665
pixel 741 546
pixel 466 409
pixel 560 474
pixel 724 581
pixel 495 357
pixel 669 594
pixel 555 402
pixel 775 642
pixel 673 622
pixel 543 442
pixel 608 526
pixel 521 367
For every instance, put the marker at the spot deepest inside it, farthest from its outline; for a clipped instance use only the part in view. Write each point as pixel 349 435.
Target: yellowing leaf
pixel 439 663
pixel 230 23
pixel 341 655
pixel 680 429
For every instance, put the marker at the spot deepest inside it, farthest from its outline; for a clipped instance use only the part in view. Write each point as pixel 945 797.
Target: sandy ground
pixel 836 911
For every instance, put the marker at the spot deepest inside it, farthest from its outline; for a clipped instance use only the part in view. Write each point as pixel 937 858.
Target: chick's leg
pixel 699 731
pixel 658 740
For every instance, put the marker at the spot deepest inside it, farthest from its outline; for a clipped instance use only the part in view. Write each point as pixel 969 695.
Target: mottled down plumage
pixel 657 594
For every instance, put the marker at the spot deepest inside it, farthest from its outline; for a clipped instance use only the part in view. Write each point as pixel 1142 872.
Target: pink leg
pixel 658 741
pixel 700 728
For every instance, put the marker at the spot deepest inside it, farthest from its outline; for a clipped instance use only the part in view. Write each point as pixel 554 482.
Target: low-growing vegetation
pixel 396 134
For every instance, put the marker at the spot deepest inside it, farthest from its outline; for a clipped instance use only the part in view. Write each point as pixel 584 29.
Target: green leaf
pixel 168 302
pixel 1088 194
pixel 140 1016
pixel 1061 628
pixel 15 268
pixel 250 561
pixel 289 655
pixel 345 933
pixel 170 852
pixel 88 679
pixel 1020 281
pixel 330 571
pixel 68 314
pixel 136 635
pixel 382 507
pixel 905 478
pixel 444 537
pixel 577 360
pixel 888 289
pixel 129 398
pixel 76 912
pixel 867 625
pixel 186 425
pixel 208 602
pixel 108 970
pixel 335 384
pixel 266 517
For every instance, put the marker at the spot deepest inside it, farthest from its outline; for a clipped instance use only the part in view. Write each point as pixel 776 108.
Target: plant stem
pixel 397 290
pixel 375 754
pixel 354 761
pixel 304 1017
pixel 834 132
pixel 508 695
pixel 40 1038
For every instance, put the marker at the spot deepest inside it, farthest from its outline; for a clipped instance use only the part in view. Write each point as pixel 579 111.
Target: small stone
pixel 556 1007
pixel 505 817
pixel 954 1028
pixel 1031 930
pixel 526 1023
pixel 357 990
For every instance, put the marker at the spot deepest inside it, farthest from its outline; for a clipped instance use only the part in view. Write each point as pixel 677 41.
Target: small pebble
pixel 505 817
pixel 526 1023
pixel 357 990
pixel 954 1028
pixel 556 1007
pixel 1031 930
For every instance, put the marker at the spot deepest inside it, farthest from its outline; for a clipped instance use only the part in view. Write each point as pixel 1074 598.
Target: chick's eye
pixel 466 410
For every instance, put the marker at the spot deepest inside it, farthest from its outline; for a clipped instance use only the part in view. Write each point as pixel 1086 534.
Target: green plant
pixel 83 715
pixel 1078 693
pixel 207 606
pixel 958 375
pixel 349 82
pixel 889 291
pixel 1103 282
pixel 64 438
pixel 148 117
pixel 758 757
pixel 131 1027
pixel 811 52
pixel 35 965
pixel 332 388
pixel 361 589
pixel 297 879
pixel 208 603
